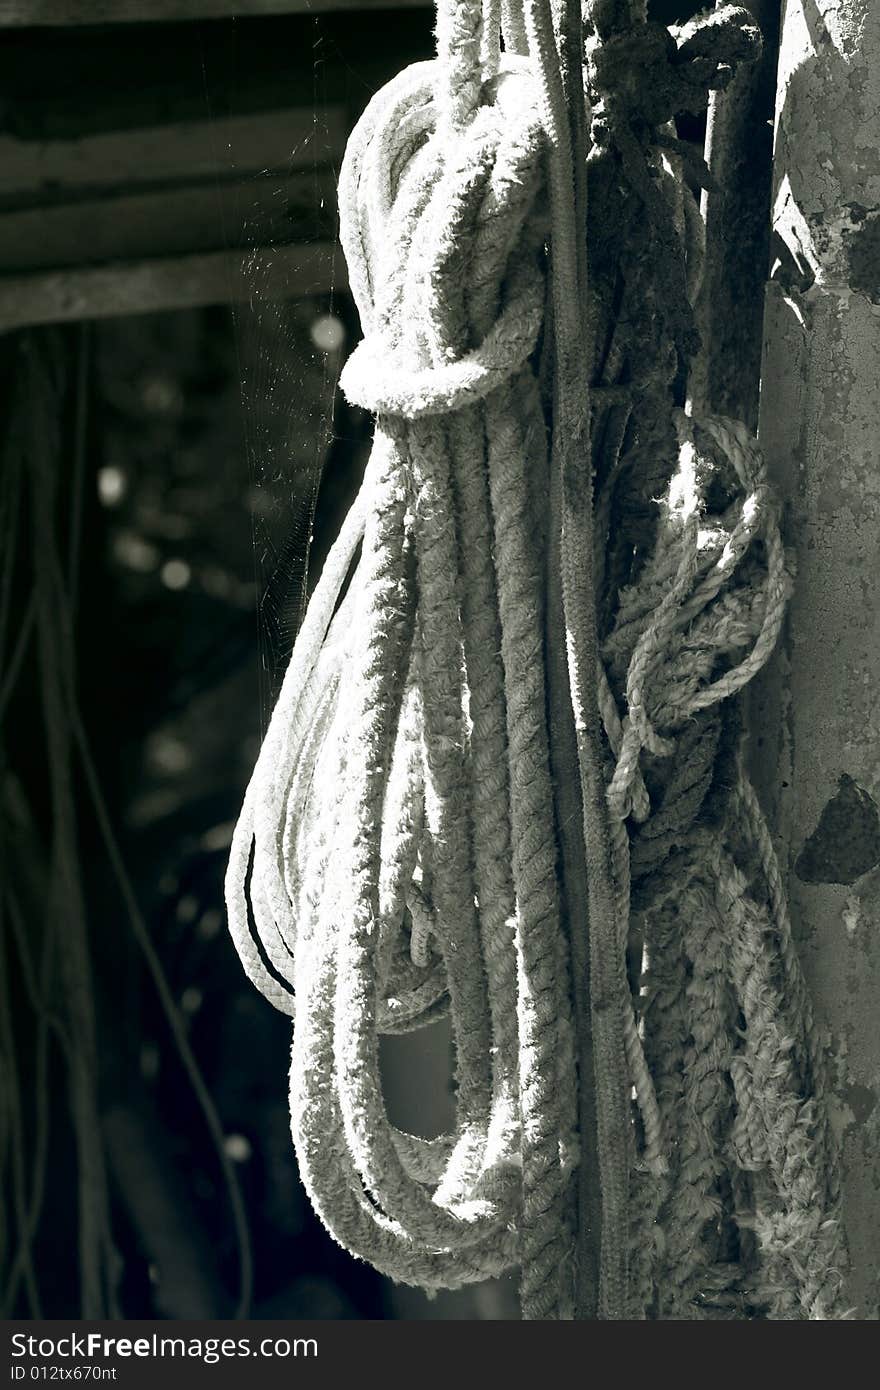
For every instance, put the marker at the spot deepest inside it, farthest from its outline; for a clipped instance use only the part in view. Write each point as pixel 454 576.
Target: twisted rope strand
pixel 396 857
pixel 399 825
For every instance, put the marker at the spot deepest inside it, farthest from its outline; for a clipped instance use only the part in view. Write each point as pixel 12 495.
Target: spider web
pixel 287 388
pixel 292 419
pixel 290 352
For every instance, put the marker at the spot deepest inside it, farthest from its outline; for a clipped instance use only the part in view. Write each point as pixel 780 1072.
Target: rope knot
pixel 447 265
pixel 398 848
pixel 645 75
pixel 380 378
pixel 396 857
pixel 706 612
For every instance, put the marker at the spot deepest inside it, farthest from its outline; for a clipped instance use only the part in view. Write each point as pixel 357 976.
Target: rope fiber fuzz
pixel 398 854
pixel 398 836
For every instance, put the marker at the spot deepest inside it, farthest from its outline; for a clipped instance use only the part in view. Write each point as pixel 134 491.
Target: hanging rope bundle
pixel 398 853
pixel 401 814
pixel 739 1130
pixel 735 1198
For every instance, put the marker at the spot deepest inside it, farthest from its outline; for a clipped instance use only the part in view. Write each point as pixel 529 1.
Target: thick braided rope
pixel 729 1036
pixel 728 1219
pixel 698 625
pixel 396 853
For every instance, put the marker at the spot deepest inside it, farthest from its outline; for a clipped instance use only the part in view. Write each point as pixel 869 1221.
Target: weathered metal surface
pixel 816 714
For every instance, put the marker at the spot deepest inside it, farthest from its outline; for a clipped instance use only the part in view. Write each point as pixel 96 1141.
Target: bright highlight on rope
pixel 397 856
pixel 401 814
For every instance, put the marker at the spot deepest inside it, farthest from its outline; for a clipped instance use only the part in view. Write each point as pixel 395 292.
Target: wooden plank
pixel 22 13
pixel 293 138
pixel 222 277
pixel 254 212
pixel 65 85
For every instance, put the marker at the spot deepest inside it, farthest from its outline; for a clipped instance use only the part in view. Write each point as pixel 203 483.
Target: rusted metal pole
pixel 816 715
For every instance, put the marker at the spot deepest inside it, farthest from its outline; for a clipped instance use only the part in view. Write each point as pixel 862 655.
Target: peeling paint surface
pixel 828 187
pixel 864 256
pixel 846 842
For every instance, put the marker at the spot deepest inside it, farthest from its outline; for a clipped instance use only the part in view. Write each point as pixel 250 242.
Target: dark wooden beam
pixel 282 141
pixel 241 214
pixel 76 82
pixel 64 296
pixel 26 13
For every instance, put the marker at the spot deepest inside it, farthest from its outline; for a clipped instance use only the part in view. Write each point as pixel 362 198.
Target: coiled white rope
pixel 397 842
pixel 396 856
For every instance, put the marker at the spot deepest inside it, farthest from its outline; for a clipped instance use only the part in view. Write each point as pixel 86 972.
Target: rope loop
pixel 379 379
pixel 396 856
pixel 707 612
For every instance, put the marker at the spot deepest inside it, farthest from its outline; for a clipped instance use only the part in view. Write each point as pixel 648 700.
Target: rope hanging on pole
pixel 397 856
